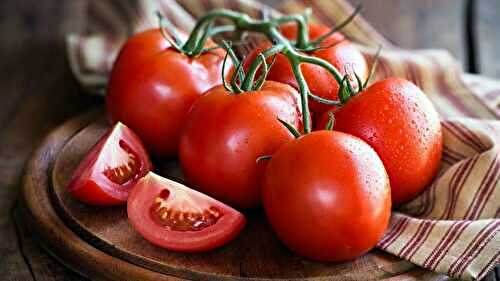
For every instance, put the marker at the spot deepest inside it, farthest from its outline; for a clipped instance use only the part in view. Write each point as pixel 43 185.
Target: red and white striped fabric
pixel 451 228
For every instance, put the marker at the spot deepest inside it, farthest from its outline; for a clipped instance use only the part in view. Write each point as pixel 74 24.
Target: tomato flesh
pixel 175 217
pixel 125 165
pixel 111 168
pixel 184 218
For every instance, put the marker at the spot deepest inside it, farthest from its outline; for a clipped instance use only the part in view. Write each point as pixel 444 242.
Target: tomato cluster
pixel 327 194
pixel 335 49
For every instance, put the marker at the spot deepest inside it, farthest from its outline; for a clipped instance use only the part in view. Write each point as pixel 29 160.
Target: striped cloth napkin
pixel 453 227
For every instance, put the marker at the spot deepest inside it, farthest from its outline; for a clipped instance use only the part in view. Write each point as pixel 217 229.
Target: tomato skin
pixel 89 183
pixel 91 193
pixel 139 213
pixel 152 87
pixel 327 196
pixel 319 80
pixel 224 135
pixel 395 117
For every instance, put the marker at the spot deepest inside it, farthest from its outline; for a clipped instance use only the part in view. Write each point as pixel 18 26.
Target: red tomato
pixel 400 123
pixel 111 168
pixel 224 135
pixel 152 86
pixel 319 80
pixel 327 196
pixel 175 217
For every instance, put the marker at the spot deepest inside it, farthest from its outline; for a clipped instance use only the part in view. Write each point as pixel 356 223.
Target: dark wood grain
pixel 38 216
pixel 45 267
pixel 38 92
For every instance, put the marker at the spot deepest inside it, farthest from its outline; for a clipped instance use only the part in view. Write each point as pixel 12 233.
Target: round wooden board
pixel 100 243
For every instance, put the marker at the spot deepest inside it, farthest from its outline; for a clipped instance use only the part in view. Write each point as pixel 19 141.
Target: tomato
pixel 319 80
pixel 395 117
pixel 152 86
pixel 327 196
pixel 111 168
pixel 175 217
pixel 224 135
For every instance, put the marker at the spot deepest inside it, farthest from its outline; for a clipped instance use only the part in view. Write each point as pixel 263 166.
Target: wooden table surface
pixel 38 91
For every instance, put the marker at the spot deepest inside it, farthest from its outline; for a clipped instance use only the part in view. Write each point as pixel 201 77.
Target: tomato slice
pixel 111 168
pixel 175 217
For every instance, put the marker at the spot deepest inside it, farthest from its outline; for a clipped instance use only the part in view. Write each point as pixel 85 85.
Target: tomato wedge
pixel 175 217
pixel 111 168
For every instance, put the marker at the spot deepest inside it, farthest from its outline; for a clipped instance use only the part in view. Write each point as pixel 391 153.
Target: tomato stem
pixel 336 28
pixel 303 32
pixel 324 101
pixel 361 86
pixel 269 27
pixel 248 82
pixel 260 81
pixel 376 58
pixel 304 92
pixel 220 29
pixel 290 128
pixel 223 75
pixel 262 78
pixel 343 94
pixel 168 31
pixel 234 79
pixel 203 39
pixel 331 121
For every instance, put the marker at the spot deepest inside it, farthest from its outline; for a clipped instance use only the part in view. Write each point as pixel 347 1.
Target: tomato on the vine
pixel 152 86
pixel 335 49
pixel 395 117
pixel 111 168
pixel 327 196
pixel 175 217
pixel 226 132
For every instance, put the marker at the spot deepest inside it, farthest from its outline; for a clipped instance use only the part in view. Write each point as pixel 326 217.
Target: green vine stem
pixel 338 27
pixel 239 76
pixel 247 83
pixel 243 23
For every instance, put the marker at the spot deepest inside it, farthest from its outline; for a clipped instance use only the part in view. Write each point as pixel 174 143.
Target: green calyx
pixel 170 34
pixel 331 121
pixel 242 81
pixel 248 82
pixel 352 84
pixel 295 51
pixel 290 128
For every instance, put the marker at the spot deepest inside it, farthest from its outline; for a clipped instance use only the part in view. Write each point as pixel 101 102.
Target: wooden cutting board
pixel 101 244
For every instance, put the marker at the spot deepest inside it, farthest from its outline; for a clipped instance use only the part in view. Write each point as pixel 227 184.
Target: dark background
pixel 38 92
